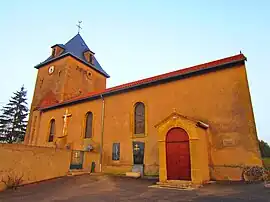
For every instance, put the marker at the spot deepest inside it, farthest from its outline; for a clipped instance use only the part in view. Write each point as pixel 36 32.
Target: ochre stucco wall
pixel 81 79
pixel 46 83
pixel 69 79
pixel 220 99
pixel 34 163
pixel 90 157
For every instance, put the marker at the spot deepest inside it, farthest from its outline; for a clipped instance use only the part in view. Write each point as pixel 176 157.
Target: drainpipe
pixel 102 133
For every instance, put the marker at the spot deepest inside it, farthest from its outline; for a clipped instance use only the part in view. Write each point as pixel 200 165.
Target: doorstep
pixel 133 174
pixel 77 172
pixel 178 184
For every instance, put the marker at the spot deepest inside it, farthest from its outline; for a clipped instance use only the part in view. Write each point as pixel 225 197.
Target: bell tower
pixel 70 71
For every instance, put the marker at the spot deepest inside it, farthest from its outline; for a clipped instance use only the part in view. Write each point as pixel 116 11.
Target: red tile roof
pixel 209 65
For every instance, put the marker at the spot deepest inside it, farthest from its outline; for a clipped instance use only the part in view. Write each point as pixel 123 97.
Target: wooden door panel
pixel 184 147
pixel 184 174
pixel 184 161
pixel 178 155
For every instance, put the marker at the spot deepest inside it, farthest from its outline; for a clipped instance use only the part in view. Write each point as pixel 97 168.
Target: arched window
pixel 139 118
pixel 88 125
pixel 52 130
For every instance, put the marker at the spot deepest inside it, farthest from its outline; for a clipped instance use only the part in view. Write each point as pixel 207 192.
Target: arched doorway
pixel 178 155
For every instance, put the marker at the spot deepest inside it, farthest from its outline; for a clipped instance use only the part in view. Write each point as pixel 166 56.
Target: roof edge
pixel 89 51
pixel 167 77
pixel 60 45
pixel 70 54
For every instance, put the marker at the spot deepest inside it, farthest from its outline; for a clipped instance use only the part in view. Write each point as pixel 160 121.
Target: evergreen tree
pixel 265 149
pixel 13 118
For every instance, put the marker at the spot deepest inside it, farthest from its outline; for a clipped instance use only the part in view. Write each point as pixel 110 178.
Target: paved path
pixel 106 188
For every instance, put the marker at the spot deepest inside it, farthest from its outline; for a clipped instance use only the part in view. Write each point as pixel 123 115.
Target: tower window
pixel 53 52
pixel 91 59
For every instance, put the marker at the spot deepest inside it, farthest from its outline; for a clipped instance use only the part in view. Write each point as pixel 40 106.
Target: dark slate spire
pixel 75 47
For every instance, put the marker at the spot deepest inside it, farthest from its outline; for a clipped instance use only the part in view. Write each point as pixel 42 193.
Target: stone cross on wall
pixel 65 117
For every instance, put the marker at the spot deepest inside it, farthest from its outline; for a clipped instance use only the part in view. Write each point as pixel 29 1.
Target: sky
pixel 138 39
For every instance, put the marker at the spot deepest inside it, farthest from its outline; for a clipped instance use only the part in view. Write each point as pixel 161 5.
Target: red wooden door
pixel 178 155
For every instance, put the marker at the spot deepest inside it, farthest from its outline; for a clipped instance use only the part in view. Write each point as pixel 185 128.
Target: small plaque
pixel 228 142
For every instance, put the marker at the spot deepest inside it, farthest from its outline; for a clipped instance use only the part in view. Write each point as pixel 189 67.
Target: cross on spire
pixel 79 26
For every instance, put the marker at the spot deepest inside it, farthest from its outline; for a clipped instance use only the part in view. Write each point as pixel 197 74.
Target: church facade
pixel 193 124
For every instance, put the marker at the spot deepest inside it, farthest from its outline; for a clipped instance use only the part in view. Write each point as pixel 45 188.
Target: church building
pixel 194 124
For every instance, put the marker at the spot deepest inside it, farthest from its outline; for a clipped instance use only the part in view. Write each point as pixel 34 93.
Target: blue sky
pixel 138 39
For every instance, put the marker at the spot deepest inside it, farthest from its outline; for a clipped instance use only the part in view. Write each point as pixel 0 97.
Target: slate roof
pixel 159 79
pixel 75 47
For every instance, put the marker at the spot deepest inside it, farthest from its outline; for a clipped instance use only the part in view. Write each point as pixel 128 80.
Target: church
pixel 194 124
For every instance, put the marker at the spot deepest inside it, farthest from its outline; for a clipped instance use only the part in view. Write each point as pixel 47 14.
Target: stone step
pixel 77 172
pixel 133 174
pixel 179 184
pixel 175 182
pixel 164 186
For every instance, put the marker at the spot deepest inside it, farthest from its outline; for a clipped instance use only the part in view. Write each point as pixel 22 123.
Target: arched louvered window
pixel 52 130
pixel 88 125
pixel 139 118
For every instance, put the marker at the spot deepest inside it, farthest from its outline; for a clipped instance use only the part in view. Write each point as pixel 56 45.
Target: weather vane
pixel 79 26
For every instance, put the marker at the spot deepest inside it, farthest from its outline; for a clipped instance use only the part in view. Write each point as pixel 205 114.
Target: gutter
pixel 102 133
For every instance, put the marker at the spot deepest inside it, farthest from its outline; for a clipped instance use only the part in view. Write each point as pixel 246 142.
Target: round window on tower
pixel 89 75
pixel 51 69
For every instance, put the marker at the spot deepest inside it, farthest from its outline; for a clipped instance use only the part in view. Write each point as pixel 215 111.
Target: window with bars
pixel 139 118
pixel 88 125
pixel 116 152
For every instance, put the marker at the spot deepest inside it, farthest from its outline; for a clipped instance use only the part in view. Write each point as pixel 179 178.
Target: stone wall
pixel 33 163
